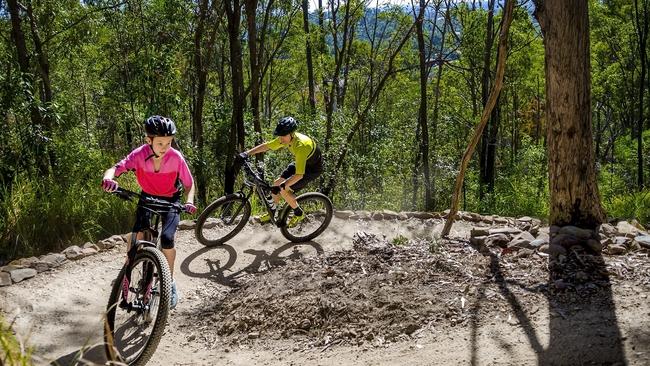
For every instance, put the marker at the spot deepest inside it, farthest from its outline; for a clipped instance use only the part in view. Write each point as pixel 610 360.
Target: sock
pixel 297 211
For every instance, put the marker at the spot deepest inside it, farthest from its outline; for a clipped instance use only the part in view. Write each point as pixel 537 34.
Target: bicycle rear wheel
pixel 317 211
pixel 135 323
pixel 222 220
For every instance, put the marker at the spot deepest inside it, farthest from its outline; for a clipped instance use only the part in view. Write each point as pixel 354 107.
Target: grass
pixel 12 351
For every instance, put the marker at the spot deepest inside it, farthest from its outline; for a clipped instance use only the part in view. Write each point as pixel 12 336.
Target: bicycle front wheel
pixel 222 220
pixel 317 211
pixel 137 308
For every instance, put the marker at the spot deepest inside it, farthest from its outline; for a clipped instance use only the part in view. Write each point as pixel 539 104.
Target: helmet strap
pixel 153 152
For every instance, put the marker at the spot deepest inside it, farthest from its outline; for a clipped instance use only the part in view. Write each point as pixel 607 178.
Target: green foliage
pixel 635 205
pixel 12 352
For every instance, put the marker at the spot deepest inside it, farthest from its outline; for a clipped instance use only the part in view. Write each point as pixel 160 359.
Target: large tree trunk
pixel 237 135
pixel 571 167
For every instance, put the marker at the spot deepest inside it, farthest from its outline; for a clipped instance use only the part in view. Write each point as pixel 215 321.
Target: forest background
pixel 392 93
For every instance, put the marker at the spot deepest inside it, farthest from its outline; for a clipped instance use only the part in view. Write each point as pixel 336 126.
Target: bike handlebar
pixel 128 195
pixel 253 173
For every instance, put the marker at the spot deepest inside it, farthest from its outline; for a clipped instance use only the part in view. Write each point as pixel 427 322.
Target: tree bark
pixel 641 25
pixel 237 135
pixel 27 76
pixel 423 126
pixel 308 56
pixel 484 166
pixel 491 101
pixel 572 176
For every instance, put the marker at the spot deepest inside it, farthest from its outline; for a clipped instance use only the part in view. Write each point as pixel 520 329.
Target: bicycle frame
pixel 151 235
pixel 254 182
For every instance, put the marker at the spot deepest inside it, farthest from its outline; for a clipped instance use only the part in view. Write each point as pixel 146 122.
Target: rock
pixel 88 251
pixel 186 225
pixel 622 240
pixel 608 229
pixel 72 252
pixel 606 242
pixel 626 229
pixel 555 250
pixel 210 223
pixel 500 220
pixel 582 234
pixel 343 214
pixel 25 262
pixel 478 241
pixel 488 219
pixel 360 215
pixel 119 239
pixel 389 215
pixel 420 215
pixel 505 230
pixel 480 231
pixel 544 248
pixel 402 216
pixel 525 219
pixel 595 245
pixel 500 240
pixel 41 266
pixel 91 245
pixel 543 234
pixel 553 230
pixel 18 275
pixel 470 216
pixel 616 249
pixel 637 224
pixel 643 241
pixel 5 279
pixel 522 240
pixel 253 335
pixel 537 243
pixel 565 240
pixel 377 216
pixel 525 253
pixel 10 268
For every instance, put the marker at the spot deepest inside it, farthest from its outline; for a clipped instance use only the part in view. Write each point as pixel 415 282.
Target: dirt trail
pixel 504 322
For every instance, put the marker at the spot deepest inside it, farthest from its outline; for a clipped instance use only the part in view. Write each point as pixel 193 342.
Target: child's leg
pixel 169 225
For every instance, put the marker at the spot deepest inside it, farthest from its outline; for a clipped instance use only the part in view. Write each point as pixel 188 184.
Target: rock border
pixel 523 235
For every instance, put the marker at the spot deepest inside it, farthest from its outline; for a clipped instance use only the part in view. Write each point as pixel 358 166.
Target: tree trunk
pixel 491 101
pixel 310 63
pixel 641 25
pixel 422 111
pixel 485 88
pixel 251 16
pixel 26 75
pixel 237 135
pixel 572 176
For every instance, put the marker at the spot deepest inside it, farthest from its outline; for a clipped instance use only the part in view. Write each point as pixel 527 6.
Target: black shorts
pixel 170 220
pixel 313 169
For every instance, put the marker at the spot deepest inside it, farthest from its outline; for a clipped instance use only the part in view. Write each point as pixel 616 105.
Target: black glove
pixel 275 189
pixel 242 156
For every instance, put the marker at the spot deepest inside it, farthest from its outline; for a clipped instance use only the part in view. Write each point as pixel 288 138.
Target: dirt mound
pixel 378 292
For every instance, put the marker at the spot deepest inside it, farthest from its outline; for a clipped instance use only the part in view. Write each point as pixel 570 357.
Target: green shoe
pixel 265 218
pixel 295 220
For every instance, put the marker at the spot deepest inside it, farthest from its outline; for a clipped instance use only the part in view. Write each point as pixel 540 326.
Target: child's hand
pixel 190 208
pixel 109 185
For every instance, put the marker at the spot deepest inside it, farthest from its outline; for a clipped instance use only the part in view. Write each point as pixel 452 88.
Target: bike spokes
pixel 221 220
pixel 136 309
pixel 317 213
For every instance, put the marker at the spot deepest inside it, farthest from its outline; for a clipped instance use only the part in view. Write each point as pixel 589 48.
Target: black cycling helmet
pixel 159 126
pixel 285 126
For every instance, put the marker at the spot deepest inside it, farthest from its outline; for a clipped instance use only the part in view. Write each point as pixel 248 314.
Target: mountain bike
pixel 226 216
pixel 138 306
